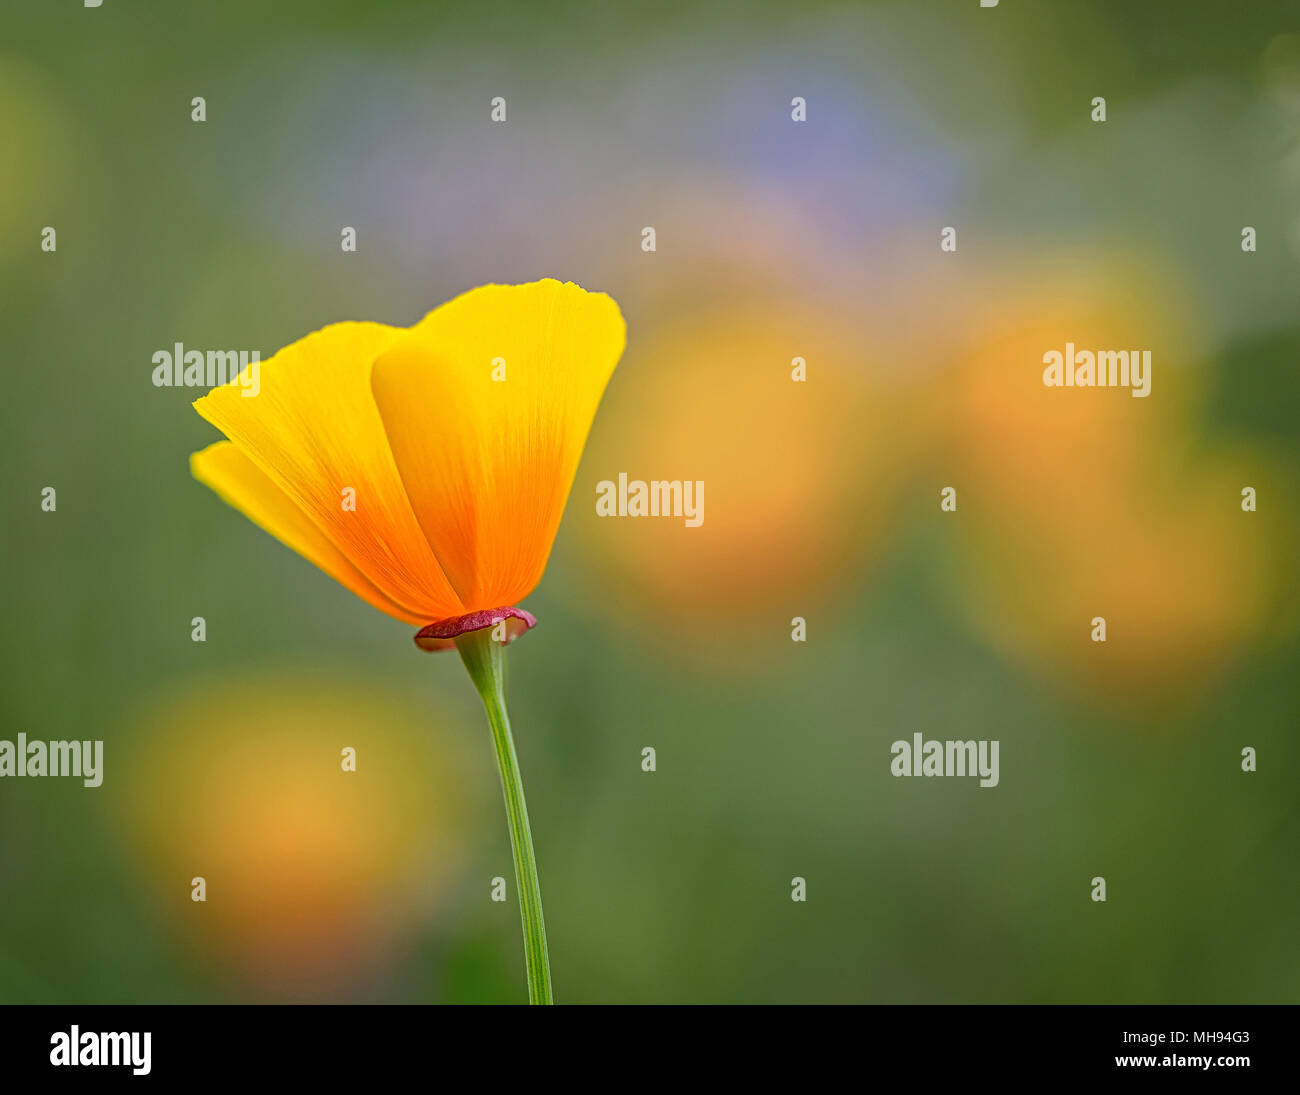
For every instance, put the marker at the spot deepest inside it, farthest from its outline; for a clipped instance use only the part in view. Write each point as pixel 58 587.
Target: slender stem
pixel 483 658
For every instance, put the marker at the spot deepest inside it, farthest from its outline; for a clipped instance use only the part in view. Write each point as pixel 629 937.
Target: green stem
pixel 483 658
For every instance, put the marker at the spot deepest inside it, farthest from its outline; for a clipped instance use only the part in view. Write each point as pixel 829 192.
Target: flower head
pixel 424 468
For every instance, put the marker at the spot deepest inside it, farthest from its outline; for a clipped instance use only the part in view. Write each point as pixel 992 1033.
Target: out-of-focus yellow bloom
pixel 1088 502
pixel 457 439
pixel 800 476
pixel 313 871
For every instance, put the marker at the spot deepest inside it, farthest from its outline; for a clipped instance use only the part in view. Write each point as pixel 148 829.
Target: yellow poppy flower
pixel 427 469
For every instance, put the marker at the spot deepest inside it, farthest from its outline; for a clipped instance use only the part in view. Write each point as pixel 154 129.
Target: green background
pixel 773 757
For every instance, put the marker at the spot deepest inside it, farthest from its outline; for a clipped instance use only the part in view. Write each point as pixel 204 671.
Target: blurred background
pixel 775 240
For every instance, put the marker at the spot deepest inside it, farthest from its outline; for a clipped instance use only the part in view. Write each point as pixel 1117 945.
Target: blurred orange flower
pixel 801 492
pixel 1090 503
pixel 314 874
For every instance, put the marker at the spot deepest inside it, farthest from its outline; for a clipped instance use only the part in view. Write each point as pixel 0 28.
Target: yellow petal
pixel 314 430
pixel 488 462
pixel 238 481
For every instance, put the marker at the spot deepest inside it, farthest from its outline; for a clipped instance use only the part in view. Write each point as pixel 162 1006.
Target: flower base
pixel 442 634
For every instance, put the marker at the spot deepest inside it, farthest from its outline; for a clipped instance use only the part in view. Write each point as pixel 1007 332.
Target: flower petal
pixel 487 403
pixel 314 430
pixel 239 482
